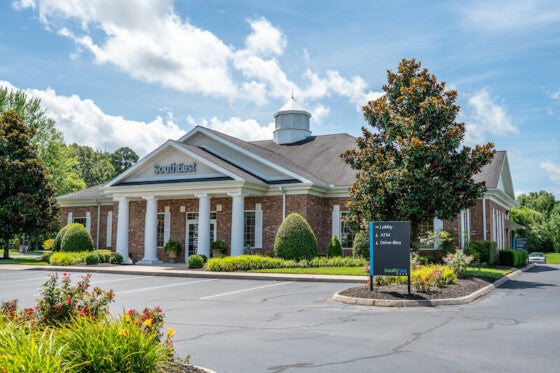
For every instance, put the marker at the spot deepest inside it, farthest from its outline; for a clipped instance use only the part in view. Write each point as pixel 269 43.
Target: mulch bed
pixel 462 288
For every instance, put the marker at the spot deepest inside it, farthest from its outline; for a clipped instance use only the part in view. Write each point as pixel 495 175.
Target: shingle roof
pixel 94 192
pixel 491 172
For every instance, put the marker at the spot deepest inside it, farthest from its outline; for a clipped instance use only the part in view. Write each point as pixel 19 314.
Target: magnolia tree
pixel 411 164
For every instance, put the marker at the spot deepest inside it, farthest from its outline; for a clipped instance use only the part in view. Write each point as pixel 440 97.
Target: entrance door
pixel 191 240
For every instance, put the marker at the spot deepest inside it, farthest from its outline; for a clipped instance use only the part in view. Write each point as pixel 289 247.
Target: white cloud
pixel 83 122
pixel 553 171
pixel 150 42
pixel 485 117
pixel 248 129
pixel 556 96
pixel 319 113
pixel 265 39
pixel 510 15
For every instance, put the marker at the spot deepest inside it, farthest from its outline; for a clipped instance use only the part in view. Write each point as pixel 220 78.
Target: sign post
pixel 389 249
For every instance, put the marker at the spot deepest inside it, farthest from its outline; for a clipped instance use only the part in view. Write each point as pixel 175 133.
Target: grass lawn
pixel 359 271
pixel 340 271
pixel 23 260
pixel 552 258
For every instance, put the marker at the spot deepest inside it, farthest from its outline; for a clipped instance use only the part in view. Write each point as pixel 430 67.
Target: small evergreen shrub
pixel 446 242
pixel 92 259
pixel 48 244
pixel 458 262
pixel 76 238
pixel 483 251
pixel 335 247
pixel 58 238
pixel 67 259
pixel 116 259
pixel 295 239
pixel 512 258
pixel 204 257
pixel 196 261
pixel 360 247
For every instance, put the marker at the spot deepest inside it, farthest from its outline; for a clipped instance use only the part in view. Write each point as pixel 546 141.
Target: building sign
pixel 390 248
pixel 521 243
pixel 175 168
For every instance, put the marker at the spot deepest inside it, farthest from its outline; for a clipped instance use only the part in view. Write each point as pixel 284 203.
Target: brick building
pixel 210 186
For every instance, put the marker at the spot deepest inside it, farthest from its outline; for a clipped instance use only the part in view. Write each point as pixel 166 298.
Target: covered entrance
pixel 191 239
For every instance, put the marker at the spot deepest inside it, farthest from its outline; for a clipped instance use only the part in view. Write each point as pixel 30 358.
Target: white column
pixel 237 223
pixel 150 232
pixel 122 229
pixel 203 225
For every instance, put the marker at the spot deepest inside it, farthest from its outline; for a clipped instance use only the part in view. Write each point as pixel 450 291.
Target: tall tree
pixel 27 203
pixel 411 165
pixel 540 201
pixel 94 167
pixel 123 158
pixel 539 213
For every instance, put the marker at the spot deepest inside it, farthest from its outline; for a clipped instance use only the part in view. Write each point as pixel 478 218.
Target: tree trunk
pixel 6 250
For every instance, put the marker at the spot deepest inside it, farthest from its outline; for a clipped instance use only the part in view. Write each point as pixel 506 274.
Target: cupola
pixel 292 123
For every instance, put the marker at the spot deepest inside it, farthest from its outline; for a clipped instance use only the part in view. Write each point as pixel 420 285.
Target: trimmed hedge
pixel 71 258
pixel 295 239
pixel 76 238
pixel 335 247
pixel 512 258
pixel 249 262
pixel 484 251
pixel 58 239
pixel 196 261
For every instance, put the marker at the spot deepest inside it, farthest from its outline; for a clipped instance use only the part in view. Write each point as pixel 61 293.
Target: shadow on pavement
pixel 541 268
pixel 517 284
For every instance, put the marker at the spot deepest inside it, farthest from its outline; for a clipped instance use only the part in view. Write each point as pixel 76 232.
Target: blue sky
pixel 135 73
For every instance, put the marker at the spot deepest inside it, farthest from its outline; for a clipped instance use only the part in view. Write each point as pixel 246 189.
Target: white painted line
pixel 119 279
pixel 26 279
pixel 244 290
pixel 165 286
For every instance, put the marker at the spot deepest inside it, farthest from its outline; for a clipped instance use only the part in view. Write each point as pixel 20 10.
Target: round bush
pixel 116 259
pixel 58 239
pixel 76 238
pixel 92 259
pixel 196 261
pixel 295 239
pixel 335 247
pixel 360 247
pixel 48 244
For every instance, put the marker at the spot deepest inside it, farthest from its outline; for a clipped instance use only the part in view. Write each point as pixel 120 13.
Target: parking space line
pixel 165 286
pixel 25 279
pixel 117 280
pixel 244 290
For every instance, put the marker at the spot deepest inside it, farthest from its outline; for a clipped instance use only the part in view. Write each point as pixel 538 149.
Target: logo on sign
pixel 175 168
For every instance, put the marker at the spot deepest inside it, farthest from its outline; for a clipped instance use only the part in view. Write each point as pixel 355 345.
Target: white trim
pixel 484 219
pixel 258 226
pixel 109 234
pixel 336 225
pixel 88 221
pixel 70 218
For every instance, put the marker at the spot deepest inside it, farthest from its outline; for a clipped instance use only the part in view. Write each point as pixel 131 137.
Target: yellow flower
pixel 170 332
pixel 148 323
pixel 123 333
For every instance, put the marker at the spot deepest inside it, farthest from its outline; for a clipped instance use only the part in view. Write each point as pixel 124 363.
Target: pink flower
pixel 64 274
pixel 69 300
pixel 158 308
pixel 131 312
pixel 85 287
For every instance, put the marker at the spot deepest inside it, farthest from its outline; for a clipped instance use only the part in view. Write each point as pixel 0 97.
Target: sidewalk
pixel 180 270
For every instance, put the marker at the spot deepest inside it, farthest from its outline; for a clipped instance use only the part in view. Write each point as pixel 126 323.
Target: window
pixel 160 229
pixel 426 235
pixel 249 230
pixel 346 235
pixel 81 221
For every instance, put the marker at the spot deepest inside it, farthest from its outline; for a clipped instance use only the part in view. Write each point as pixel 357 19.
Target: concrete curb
pixel 171 271
pixel 433 302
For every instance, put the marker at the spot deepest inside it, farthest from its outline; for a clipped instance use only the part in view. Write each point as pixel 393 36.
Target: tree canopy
pixel 411 165
pixel 27 203
pixel 122 159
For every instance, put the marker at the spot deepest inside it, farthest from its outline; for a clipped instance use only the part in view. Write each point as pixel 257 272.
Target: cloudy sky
pixel 137 72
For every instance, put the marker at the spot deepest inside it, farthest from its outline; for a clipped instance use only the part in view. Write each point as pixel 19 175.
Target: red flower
pixel 131 312
pixel 69 300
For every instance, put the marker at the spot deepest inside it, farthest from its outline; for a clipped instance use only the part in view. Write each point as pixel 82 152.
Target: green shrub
pixel 92 259
pixel 512 258
pixel 252 262
pixel 458 262
pixel 196 261
pixel 46 257
pixel 58 238
pixel 116 259
pixel 67 259
pixel 48 244
pixel 483 251
pixel 295 239
pixel 76 238
pixel 335 247
pixel 446 242
pixel 360 247
pixel 172 245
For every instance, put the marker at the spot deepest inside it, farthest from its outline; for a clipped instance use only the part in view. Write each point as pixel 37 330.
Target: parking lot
pixel 283 326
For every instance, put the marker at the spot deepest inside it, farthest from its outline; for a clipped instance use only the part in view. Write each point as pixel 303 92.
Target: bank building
pixel 209 186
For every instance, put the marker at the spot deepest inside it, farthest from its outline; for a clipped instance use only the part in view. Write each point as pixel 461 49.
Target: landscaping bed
pixel 463 287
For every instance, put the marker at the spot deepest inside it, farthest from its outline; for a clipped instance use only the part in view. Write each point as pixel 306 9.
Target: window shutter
pixel 70 218
pixel 166 227
pixel 109 228
pixel 258 226
pixel 336 220
pixel 88 221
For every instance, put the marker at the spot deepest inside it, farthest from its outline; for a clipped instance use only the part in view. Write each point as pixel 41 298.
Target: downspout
pixel 484 219
pixel 98 224
pixel 283 202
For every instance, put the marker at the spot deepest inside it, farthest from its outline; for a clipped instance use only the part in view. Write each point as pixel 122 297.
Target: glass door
pixel 191 240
